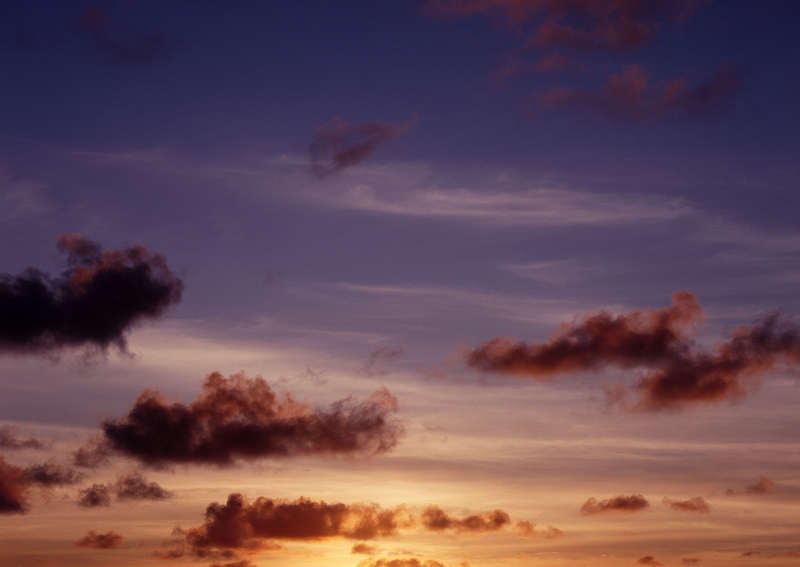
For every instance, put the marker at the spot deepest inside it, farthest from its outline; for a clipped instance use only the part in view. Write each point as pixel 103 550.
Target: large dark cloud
pixel 94 540
pixel 242 418
pixel 9 439
pixel 587 25
pixel 95 302
pixel 339 144
pixel 241 526
pixel 625 504
pixel 658 342
pixel 13 489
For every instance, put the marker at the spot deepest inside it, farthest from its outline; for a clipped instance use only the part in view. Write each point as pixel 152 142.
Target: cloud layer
pixel 243 418
pixel 658 342
pixel 95 302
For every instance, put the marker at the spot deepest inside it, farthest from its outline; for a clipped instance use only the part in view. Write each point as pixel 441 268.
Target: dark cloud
pixel 242 418
pixel 437 520
pixel 411 562
pixel 122 43
pixel 648 560
pixel 243 526
pixel 625 504
pixel 129 486
pixel 13 489
pixel 364 549
pixel 94 453
pixel 763 485
pixel 94 540
pixel 9 439
pixel 51 474
pixel 657 341
pixel 587 25
pixel 94 496
pixel 95 302
pixel 529 530
pixel 630 95
pixel 339 144
pixel 242 563
pixel 696 504
pixel 375 363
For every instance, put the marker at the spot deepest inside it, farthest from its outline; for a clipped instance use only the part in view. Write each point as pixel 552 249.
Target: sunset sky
pixel 400 283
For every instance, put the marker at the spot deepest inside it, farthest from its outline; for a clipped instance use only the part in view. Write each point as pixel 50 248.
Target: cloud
pixel 625 504
pixel 96 301
pixel 339 144
pixel 364 549
pixel 411 562
pixel 10 440
pixel 378 359
pixel 648 560
pixel 13 489
pixel 631 96
pixel 242 563
pixel 243 526
pixel 690 560
pixel 51 474
pixel 437 520
pixel 586 25
pixel 94 496
pixel 763 485
pixel 94 540
pixel 130 486
pixel 242 418
pixel 123 43
pixel 528 530
pixel 657 341
pixel 696 504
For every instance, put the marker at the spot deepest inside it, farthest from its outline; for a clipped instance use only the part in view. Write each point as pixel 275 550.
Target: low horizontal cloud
pixel 696 504
pixel 649 560
pixel 410 562
pixel 763 485
pixel 240 418
pixel 241 526
pixel 631 96
pixel 51 474
pixel 624 504
pixel 529 530
pixel 435 519
pixel 657 341
pixel 339 144
pixel 94 540
pixel 95 302
pixel 10 440
pixel 129 486
pixel 363 548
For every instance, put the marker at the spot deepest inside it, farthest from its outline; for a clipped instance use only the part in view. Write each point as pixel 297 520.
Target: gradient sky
pixel 413 283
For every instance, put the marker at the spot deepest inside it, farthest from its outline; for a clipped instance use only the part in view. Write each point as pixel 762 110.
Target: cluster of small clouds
pixel 562 32
pixel 130 486
pixel 658 341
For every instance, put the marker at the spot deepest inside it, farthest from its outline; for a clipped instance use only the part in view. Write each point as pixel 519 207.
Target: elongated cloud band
pixel 243 418
pixel 654 340
pixel 624 504
pixel 96 301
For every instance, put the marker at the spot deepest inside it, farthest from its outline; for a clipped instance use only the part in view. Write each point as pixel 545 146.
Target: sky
pixel 421 283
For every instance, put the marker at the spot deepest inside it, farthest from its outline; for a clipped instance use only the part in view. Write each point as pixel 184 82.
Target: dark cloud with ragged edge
pixel 94 303
pixel 51 474
pixel 621 503
pixel 695 504
pixel 435 519
pixel 657 342
pixel 13 489
pixel 763 485
pixel 339 144
pixel 94 540
pixel 240 418
pixel 129 486
pixel 240 526
pixel 10 440
pixel 649 560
